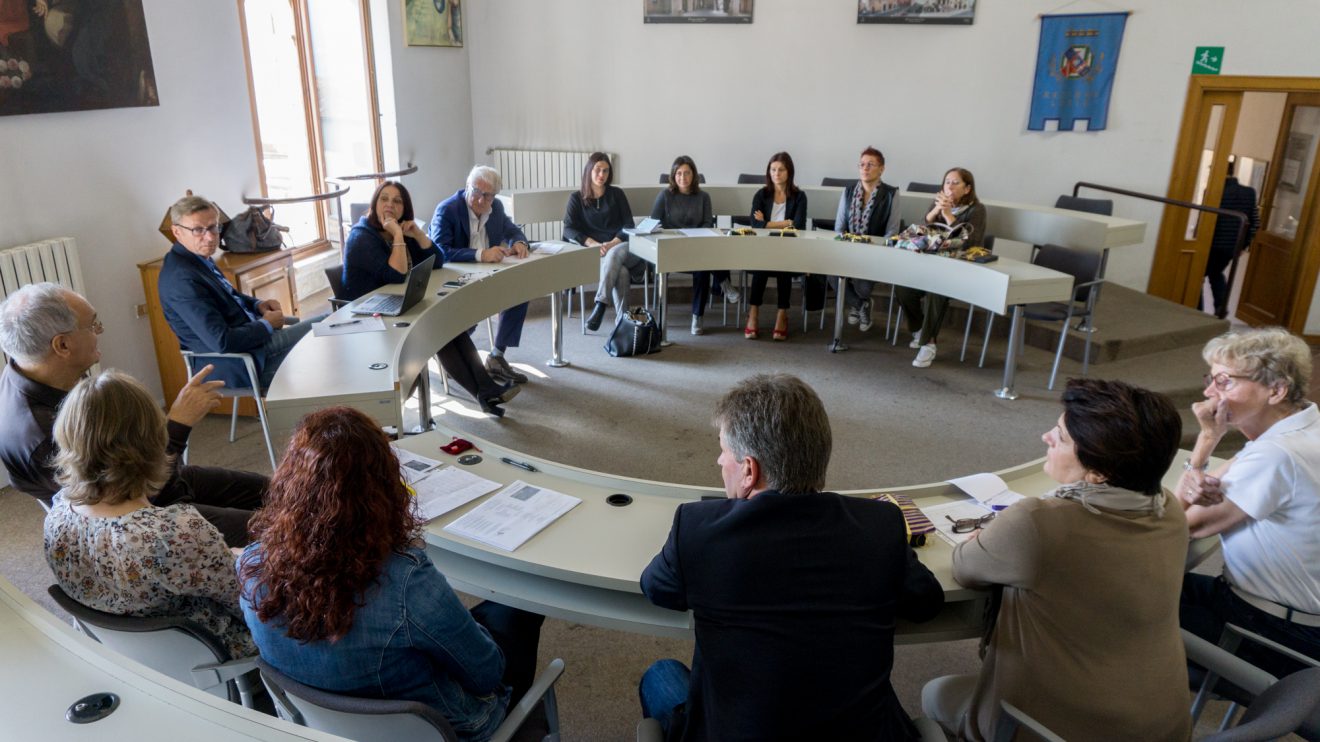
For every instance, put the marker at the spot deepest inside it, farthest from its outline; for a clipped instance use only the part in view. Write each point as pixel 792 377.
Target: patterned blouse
pixel 151 562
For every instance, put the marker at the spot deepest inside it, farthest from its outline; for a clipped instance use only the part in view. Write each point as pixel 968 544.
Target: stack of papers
pixel 987 489
pixel 507 520
pixel 943 516
pixel 440 490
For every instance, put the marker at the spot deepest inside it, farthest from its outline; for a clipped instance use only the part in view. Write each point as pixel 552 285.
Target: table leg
pixel 662 306
pixel 837 344
pixel 1011 357
pixel 424 401
pixel 556 331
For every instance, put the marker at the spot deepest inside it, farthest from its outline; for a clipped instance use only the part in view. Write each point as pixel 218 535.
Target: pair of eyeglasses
pixel 481 195
pixel 199 231
pixel 96 327
pixel 967 525
pixel 1223 380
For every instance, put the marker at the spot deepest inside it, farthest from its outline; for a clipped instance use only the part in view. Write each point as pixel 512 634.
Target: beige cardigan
pixel 1087 639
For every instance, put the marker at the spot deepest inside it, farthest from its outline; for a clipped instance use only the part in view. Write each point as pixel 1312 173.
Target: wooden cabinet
pixel 265 276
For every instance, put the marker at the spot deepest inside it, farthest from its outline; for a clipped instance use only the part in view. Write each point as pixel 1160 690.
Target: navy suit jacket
pixel 206 318
pixel 451 232
pixel 795 598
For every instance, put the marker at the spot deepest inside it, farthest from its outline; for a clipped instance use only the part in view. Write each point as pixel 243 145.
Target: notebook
pixel 392 305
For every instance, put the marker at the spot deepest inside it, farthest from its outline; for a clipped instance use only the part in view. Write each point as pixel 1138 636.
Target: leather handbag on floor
pixel 635 334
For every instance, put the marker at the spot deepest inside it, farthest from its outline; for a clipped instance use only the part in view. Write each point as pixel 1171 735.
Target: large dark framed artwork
pixel 951 12
pixel 697 11
pixel 74 55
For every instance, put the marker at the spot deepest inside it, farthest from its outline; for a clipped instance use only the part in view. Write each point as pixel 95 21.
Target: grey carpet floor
pixel 650 418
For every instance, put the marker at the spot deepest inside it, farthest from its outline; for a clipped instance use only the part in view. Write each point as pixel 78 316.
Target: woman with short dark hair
pixel 682 205
pixel 340 594
pixel 1086 639
pixel 868 207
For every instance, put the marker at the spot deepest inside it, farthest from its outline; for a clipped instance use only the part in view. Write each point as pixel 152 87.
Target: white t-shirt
pixel 477 239
pixel 778 212
pixel 1275 480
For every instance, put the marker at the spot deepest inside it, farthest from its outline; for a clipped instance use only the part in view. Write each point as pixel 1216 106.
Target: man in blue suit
pixel 207 313
pixel 470 227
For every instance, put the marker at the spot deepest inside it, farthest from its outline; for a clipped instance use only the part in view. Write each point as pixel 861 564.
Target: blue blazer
pixel 451 233
pixel 206 318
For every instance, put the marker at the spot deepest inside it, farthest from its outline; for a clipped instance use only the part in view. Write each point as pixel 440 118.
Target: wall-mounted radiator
pixel 54 260
pixel 539 168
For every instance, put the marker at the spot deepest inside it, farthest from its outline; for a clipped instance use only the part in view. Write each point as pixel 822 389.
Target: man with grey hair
pixel 207 313
pixel 471 226
pixel 50 335
pixel 795 591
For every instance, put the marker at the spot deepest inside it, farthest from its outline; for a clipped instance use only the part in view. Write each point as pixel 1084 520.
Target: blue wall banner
pixel 1075 69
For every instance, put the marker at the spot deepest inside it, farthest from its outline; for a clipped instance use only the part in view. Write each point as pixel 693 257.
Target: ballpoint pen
pixel 346 324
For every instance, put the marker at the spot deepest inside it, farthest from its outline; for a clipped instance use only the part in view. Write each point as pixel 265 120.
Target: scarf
pixel 859 217
pixel 1091 496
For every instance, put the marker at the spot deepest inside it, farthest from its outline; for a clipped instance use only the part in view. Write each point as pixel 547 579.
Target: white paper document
pixel 348 326
pixel 943 516
pixel 445 489
pixel 988 489
pixel 550 247
pixel 700 232
pixel 511 517
pixel 414 466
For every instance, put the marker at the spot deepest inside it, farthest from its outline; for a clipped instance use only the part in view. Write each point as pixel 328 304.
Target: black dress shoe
pixel 597 314
pixel 491 404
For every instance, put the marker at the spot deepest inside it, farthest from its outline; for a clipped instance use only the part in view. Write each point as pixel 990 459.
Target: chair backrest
pixel 335 276
pixel 167 644
pixel 915 187
pixel 1102 206
pixel 1290 705
pixel 362 719
pixel 1082 265
pixel 988 242
pixel 250 368
pixel 750 178
pixel 840 182
pixel 664 178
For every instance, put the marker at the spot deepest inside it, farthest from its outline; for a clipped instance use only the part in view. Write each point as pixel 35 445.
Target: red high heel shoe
pixel 779 335
pixel 749 332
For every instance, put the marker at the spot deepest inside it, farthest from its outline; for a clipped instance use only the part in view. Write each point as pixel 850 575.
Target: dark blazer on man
pixel 206 318
pixel 795 598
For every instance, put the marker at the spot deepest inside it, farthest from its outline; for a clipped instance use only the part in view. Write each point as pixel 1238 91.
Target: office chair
pixel 1011 718
pixel 1102 206
pixel 335 277
pixel 177 647
pixel 1293 707
pixel 385 720
pixel 747 179
pixel 664 178
pixel 915 187
pixel 828 224
pixel 234 393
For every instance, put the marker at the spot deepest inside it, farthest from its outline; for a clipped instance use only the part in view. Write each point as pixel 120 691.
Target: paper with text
pixel 414 466
pixel 943 516
pixel 699 232
pixel 988 489
pixel 513 515
pixel 449 488
pixel 353 326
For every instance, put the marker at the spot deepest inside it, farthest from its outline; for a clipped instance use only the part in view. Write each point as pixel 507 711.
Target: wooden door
pixel 1281 274
pixel 1200 166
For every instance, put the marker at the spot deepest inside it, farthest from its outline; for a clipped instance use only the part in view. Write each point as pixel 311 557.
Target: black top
pixel 602 220
pixel 1237 197
pixel 795 598
pixel 795 208
pixel 27 441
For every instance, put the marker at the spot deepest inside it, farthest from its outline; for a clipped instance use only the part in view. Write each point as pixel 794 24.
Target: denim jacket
pixel 411 639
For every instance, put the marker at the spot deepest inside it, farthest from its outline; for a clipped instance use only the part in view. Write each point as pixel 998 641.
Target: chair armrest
pixel 211 674
pixel 1272 645
pixel 542 688
pixel 1011 717
pixel 1096 282
pixel 1220 662
pixel 648 730
pixel 338 303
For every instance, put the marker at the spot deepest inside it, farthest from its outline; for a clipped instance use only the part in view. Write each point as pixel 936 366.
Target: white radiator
pixel 54 260
pixel 524 169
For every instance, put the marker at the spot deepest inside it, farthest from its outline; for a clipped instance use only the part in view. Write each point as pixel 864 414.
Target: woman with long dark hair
pixel 779 205
pixel 340 594
pixel 681 205
pixel 596 216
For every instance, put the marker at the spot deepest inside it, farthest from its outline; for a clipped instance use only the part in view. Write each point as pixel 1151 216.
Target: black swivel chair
pixel 1102 206
pixel 747 179
pixel 828 224
pixel 664 178
pixel 335 276
pixel 915 187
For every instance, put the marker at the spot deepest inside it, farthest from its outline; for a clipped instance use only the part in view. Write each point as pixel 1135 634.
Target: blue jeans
pixel 278 346
pixel 663 689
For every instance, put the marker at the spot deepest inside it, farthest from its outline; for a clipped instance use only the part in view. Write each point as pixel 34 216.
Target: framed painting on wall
pixel 952 12
pixel 57 55
pixel 697 11
pixel 431 23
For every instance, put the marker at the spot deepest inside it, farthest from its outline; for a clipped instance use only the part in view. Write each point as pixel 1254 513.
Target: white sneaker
pixel 916 340
pixel 731 294
pixel 925 356
pixel 864 316
pixel 854 316
pixel 696 325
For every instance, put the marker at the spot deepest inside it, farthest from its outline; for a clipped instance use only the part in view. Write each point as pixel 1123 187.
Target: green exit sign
pixel 1209 60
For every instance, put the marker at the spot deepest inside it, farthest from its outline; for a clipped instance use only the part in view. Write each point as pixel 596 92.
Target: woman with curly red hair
pixel 340 594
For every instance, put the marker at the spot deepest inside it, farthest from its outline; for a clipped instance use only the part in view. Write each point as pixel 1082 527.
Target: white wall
pixel 806 78
pixel 106 177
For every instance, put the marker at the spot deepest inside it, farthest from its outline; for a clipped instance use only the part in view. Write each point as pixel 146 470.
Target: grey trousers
pixel 616 270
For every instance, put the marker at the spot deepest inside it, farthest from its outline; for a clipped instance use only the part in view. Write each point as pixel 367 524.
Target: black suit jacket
pixel 795 598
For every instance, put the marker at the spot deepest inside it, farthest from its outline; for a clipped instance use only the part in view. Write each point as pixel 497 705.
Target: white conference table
pixel 374 371
pixel 48 666
pixel 586 566
pixel 998 287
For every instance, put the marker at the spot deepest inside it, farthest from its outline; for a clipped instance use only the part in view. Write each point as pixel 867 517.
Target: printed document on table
pixel 550 247
pixel 699 232
pixel 944 514
pixel 511 517
pixel 448 488
pixel 988 489
pixel 414 466
pixel 328 327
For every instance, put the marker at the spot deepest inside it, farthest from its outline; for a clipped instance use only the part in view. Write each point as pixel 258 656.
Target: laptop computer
pixel 392 305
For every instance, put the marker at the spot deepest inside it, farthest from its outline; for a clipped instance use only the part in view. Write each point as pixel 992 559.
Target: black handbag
pixel 253 231
pixel 635 334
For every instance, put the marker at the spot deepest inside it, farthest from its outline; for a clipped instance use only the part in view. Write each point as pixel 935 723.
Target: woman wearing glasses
pixel 340 594
pixel 381 248
pixel 1086 639
pixel 1264 504
pixel 866 207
